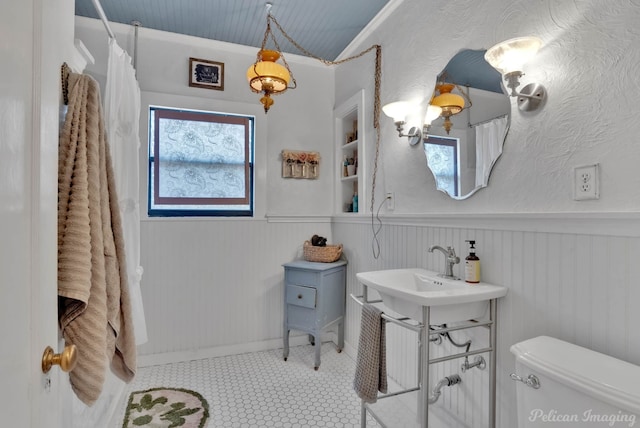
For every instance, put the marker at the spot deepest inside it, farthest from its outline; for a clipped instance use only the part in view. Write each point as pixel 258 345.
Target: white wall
pixel 300 119
pixel 587 64
pixel 569 265
pixel 217 283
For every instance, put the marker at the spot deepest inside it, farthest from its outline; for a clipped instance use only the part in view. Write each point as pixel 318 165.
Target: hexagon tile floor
pixel 262 390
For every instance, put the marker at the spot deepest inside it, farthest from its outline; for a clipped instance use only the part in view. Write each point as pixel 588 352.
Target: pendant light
pixel 268 77
pixel 449 103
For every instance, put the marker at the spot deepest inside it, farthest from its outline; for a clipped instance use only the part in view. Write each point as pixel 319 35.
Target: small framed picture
pixel 206 74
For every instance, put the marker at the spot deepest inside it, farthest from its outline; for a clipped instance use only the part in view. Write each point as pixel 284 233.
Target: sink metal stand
pixel 424 332
pixel 423 368
pixel 492 361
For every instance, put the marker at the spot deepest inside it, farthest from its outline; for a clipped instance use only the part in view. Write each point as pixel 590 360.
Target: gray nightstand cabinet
pixel 314 300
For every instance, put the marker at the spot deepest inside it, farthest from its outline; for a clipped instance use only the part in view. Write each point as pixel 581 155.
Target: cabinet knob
pixel 299 296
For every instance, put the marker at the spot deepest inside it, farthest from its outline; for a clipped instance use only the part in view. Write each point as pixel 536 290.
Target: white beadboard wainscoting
pixel 572 276
pixel 214 286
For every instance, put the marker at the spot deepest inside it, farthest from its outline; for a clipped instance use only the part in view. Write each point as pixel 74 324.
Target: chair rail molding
pixel 626 224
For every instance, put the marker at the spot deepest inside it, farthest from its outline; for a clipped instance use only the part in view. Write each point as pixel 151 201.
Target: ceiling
pixel 469 68
pixel 322 27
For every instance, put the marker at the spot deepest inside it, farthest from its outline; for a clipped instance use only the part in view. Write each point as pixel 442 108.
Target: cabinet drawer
pixel 301 296
pixel 302 277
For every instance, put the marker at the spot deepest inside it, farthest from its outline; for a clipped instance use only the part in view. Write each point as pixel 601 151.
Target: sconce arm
pixel 522 95
pixel 530 97
pixel 513 81
pixel 414 135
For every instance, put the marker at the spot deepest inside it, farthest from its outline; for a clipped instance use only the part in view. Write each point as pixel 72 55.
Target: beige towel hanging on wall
pixel 94 306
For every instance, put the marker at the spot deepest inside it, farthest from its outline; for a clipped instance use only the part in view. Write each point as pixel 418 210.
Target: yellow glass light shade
pixel 450 103
pixel 267 75
pixel 510 56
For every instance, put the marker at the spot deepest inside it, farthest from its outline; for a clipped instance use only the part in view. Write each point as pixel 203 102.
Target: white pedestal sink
pixel 406 291
pixel 431 300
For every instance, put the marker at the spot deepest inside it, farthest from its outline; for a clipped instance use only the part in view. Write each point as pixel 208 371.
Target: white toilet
pixel 577 387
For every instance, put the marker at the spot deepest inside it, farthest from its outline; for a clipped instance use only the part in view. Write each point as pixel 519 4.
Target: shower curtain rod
pixel 482 122
pixel 103 17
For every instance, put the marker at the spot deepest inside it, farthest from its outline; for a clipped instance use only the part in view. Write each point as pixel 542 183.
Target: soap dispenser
pixel 472 265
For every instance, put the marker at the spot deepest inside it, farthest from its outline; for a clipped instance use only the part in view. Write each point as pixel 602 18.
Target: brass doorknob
pixel 66 360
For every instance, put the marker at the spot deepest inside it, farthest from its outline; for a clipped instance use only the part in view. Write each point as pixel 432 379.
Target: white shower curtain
pixel 489 138
pixel 122 115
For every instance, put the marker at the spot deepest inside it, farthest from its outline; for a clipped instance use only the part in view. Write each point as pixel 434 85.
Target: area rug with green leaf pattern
pixel 166 408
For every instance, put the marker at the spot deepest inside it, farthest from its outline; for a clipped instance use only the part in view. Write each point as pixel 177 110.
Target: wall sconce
pixel 508 58
pixel 433 112
pixel 399 110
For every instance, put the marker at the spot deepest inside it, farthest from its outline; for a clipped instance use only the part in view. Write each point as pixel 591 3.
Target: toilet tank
pixel 578 387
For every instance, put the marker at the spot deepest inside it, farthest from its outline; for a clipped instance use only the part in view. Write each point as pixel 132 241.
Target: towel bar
pixel 399 321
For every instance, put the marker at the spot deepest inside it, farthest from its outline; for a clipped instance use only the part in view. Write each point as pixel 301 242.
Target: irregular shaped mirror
pixel 464 143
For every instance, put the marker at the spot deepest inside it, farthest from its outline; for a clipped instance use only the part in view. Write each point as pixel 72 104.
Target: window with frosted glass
pixel 442 158
pixel 200 163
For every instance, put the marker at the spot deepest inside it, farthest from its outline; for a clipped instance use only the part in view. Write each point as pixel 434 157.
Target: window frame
pixel 454 143
pixel 154 198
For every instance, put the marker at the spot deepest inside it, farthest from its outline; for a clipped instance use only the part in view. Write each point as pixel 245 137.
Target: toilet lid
pixel 601 376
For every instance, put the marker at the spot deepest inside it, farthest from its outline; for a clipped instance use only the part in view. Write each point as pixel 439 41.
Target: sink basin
pixel 406 291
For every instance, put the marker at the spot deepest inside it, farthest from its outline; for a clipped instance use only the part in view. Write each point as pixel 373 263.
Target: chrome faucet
pixel 451 259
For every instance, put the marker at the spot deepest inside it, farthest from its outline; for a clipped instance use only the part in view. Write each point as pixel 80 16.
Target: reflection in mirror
pixel 461 157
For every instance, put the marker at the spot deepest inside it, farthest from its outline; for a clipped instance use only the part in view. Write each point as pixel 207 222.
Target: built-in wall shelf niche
pixel 349 155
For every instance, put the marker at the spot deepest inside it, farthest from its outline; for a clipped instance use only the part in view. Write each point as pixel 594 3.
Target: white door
pixel 32 44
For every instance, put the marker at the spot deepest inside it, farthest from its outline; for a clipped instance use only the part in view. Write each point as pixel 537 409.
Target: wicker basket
pixel 327 254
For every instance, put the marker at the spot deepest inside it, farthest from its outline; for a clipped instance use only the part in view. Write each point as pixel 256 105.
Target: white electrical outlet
pixel 391 203
pixel 586 182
